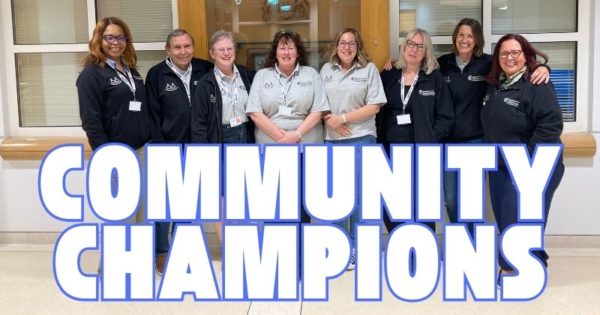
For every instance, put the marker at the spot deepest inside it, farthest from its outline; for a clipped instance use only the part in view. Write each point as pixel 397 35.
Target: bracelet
pixel 299 135
pixel 344 118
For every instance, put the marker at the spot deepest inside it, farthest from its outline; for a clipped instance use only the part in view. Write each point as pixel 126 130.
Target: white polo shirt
pixel 302 92
pixel 350 91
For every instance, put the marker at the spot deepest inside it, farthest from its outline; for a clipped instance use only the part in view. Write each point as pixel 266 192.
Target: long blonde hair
pixel 429 63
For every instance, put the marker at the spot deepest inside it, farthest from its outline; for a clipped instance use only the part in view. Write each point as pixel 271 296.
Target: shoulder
pixel 326 67
pixel 201 63
pixel 158 67
pixel 242 69
pixel 387 75
pixel 371 67
pixel 90 72
pixel 263 72
pixel 443 59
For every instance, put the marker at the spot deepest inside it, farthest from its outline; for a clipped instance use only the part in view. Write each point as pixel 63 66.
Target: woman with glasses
pixel 464 70
pixel 355 95
pixel 112 97
pixel 419 107
pixel 219 107
pixel 517 111
pixel 287 99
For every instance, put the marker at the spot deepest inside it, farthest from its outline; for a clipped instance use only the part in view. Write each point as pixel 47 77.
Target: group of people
pixel 462 97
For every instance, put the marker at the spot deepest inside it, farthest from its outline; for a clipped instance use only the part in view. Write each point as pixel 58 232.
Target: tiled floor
pixel 27 286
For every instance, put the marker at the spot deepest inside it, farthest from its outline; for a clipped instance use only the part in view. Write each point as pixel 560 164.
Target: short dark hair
pixel 285 37
pixel 530 53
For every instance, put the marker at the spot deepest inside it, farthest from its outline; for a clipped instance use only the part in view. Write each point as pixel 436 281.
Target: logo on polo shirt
pixel 196 82
pixel 427 92
pixel 213 99
pixel 115 81
pixel 476 78
pixel 355 79
pixel 171 87
pixel 327 78
pixel 511 102
pixel 305 83
pixel 448 79
pixel 269 85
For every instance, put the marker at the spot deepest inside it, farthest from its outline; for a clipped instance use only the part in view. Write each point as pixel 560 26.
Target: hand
pixel 344 131
pixel 333 121
pixel 289 137
pixel 540 75
pixel 389 64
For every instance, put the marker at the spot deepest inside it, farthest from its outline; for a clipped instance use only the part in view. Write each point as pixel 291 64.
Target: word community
pixel 248 185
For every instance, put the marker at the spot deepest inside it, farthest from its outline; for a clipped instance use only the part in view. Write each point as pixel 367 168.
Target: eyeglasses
pixel 112 38
pixel 222 51
pixel 350 44
pixel 412 45
pixel 513 53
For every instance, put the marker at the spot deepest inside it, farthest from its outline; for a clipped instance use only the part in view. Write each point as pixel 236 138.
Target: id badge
pixel 403 119
pixel 135 106
pixel 284 110
pixel 235 121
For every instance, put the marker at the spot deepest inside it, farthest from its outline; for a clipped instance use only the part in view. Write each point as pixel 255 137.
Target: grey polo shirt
pixel 303 92
pixel 350 91
pixel 233 94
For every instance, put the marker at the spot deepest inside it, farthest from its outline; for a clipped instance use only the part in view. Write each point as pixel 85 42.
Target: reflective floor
pixel 27 286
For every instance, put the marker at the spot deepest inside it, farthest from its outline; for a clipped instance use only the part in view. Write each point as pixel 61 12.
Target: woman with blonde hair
pixel 355 93
pixel 419 107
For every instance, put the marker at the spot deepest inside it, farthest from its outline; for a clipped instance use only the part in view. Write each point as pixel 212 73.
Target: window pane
pixel 255 22
pixel 47 92
pixel 147 59
pixel 534 16
pixel 438 17
pixel 561 59
pixel 149 20
pixel 50 21
pixel 441 49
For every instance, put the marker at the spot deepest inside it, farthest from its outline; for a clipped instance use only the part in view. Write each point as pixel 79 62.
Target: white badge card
pixel 403 119
pixel 135 106
pixel 284 110
pixel 235 121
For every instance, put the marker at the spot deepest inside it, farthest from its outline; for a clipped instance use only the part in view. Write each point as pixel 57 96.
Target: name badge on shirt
pixel 135 106
pixel 235 121
pixel 403 119
pixel 284 110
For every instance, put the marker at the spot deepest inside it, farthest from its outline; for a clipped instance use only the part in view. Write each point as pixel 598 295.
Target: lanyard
pixel 288 83
pixel 127 80
pixel 227 87
pixel 185 77
pixel 407 97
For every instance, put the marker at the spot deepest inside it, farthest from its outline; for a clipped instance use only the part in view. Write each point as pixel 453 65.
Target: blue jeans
pixel 349 223
pixel 451 193
pixel 161 233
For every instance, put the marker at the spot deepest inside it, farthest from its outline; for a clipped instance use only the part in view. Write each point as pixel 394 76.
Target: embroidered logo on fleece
pixel 511 102
pixel 171 87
